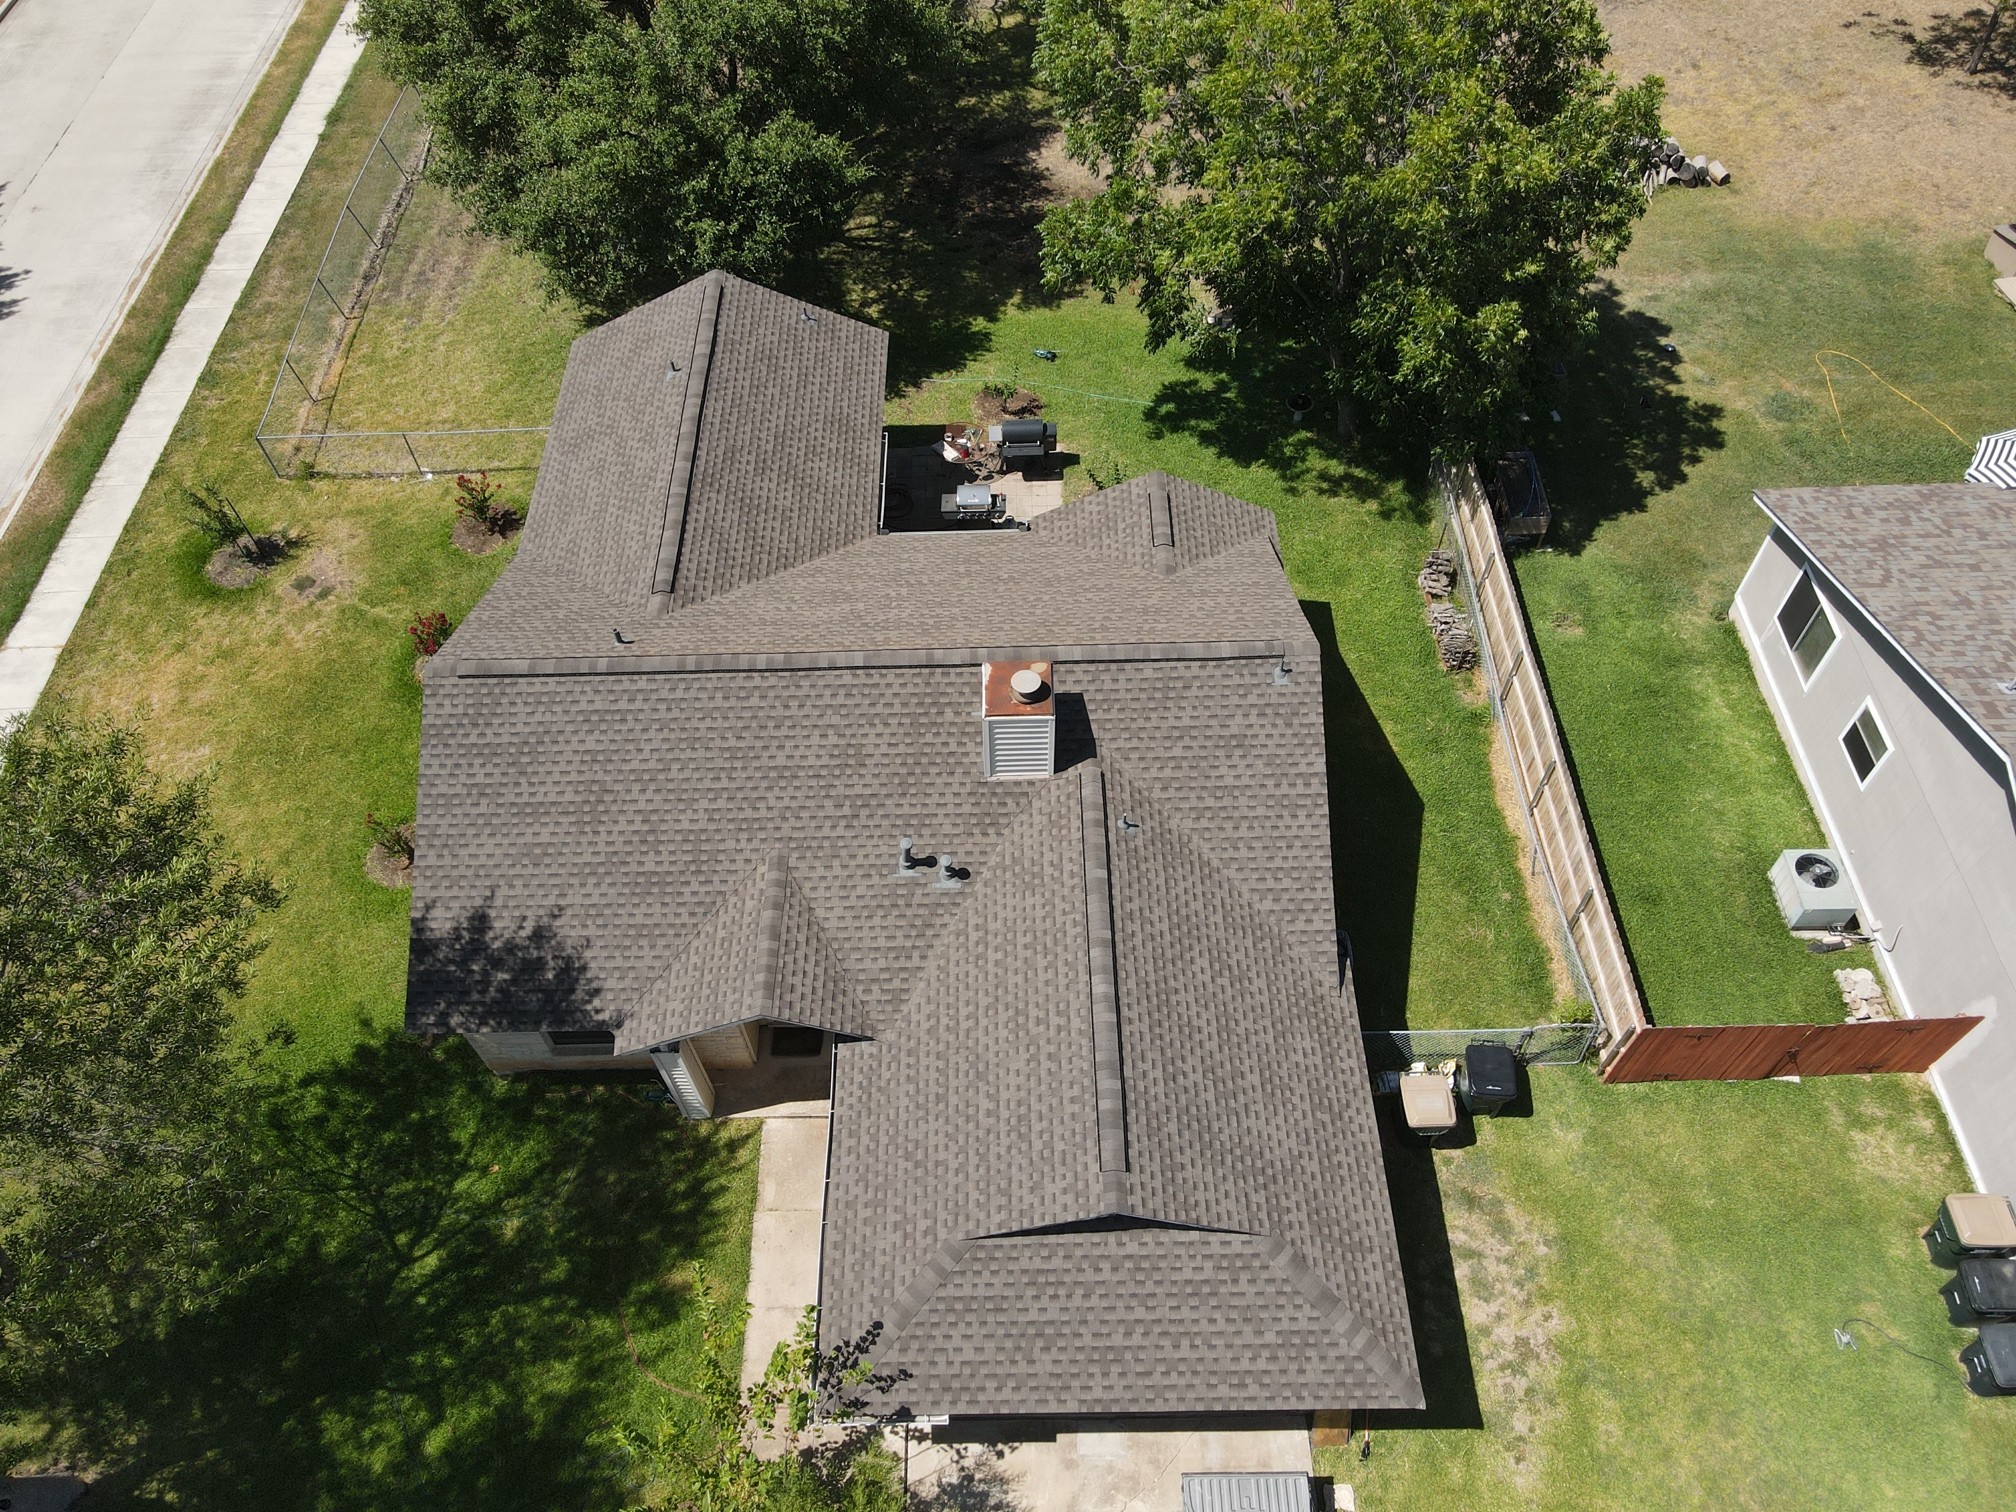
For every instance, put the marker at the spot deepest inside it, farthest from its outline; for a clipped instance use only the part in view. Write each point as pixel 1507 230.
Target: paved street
pixel 110 113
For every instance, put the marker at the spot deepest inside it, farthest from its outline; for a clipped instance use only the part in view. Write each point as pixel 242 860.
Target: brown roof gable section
pixel 1102 1139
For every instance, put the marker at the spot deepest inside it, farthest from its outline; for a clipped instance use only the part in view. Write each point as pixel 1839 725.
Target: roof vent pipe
pixel 948 874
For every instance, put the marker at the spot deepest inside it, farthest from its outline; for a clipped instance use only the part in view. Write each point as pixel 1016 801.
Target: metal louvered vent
pixel 1018 720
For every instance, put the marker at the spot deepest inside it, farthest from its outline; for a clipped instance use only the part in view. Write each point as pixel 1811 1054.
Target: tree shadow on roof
pixel 424 1304
pixel 949 238
pixel 1375 836
pixel 1629 431
pixel 495 976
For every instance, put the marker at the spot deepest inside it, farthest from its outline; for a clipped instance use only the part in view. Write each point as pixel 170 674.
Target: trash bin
pixel 1489 1077
pixel 1428 1103
pixel 1991 1360
pixel 1972 1223
pixel 1988 1287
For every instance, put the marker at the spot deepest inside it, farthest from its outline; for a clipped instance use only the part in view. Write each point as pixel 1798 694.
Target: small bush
pixel 475 497
pixel 999 390
pixel 218 521
pixel 390 836
pixel 429 631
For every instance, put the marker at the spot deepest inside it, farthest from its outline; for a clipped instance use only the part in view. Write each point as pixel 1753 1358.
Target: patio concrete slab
pixel 784 1241
pixel 1070 1465
pixel 31 650
pixel 114 112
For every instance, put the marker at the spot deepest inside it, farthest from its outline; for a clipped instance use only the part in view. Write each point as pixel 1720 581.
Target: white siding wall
pixel 506 1053
pixel 1930 842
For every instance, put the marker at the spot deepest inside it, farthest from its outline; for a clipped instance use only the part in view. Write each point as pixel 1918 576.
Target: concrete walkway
pixel 29 655
pixel 784 1242
pixel 111 112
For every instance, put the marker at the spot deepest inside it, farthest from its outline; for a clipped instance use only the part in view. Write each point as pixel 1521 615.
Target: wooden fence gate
pixel 1751 1052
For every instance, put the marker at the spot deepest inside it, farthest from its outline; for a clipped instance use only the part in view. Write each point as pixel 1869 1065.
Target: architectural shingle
pixel 1102 1137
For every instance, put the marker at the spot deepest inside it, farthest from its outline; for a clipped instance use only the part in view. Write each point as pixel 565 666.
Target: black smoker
pixel 1023 440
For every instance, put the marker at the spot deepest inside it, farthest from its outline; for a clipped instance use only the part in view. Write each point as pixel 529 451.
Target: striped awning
pixel 1995 460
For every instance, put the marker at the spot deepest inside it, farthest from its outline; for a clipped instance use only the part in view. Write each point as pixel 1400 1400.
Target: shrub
pixel 428 631
pixel 475 497
pixel 217 519
pixel 393 838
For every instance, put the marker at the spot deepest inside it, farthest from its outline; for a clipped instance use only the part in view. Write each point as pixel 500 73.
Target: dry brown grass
pixel 1822 120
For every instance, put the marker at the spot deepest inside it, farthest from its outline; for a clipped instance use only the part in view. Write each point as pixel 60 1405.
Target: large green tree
pixel 1419 191
pixel 630 144
pixel 126 930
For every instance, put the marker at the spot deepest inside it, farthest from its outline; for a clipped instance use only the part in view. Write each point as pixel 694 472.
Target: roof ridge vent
pixel 680 489
pixel 1161 527
pixel 1018 719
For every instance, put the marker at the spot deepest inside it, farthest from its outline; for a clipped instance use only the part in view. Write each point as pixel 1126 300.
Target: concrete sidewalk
pixel 30 653
pixel 113 112
pixel 784 1241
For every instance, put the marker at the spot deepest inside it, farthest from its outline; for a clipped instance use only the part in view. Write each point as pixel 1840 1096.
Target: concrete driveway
pixel 111 112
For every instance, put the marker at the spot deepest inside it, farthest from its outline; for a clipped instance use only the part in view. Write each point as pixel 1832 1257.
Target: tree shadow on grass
pixel 1375 837
pixel 425 1310
pixel 1631 431
pixel 949 237
pixel 1944 46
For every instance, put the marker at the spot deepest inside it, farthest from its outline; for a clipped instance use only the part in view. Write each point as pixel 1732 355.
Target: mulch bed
pixel 387 869
pixel 478 539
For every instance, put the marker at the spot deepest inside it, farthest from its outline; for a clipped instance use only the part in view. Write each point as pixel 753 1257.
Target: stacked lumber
pixel 1454 641
pixel 1437 575
pixel 1669 164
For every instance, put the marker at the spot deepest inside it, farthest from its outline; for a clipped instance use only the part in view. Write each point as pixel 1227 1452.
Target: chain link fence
pixel 294 432
pixel 1535 1045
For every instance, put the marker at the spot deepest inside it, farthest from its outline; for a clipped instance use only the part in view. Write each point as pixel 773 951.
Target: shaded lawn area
pixel 1689 785
pixel 433 1320
pixel 1650 1277
pixel 1427 872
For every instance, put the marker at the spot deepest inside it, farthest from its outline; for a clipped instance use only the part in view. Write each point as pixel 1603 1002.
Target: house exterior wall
pixel 732 1048
pixel 1929 840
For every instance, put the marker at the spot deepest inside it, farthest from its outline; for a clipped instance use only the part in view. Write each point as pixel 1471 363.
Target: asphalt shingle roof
pixel 1930 563
pixel 1102 1135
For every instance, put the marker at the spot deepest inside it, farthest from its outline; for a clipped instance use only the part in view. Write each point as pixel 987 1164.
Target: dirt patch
pixel 1500 1254
pixel 320 577
pixel 388 869
pixel 991 407
pixel 245 561
pixel 1565 622
pixel 1539 903
pixel 478 539
pixel 1817 118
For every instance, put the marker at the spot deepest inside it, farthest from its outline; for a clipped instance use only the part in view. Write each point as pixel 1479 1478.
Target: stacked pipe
pixel 1453 638
pixel 1670 165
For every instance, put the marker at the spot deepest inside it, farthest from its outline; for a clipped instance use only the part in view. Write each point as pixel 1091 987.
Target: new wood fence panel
pixel 1751 1052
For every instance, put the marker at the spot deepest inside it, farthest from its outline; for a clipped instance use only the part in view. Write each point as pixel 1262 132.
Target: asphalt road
pixel 110 113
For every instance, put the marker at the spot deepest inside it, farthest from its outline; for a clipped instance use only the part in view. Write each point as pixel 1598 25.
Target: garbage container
pixel 1972 1223
pixel 1991 1360
pixel 1988 1287
pixel 1488 1078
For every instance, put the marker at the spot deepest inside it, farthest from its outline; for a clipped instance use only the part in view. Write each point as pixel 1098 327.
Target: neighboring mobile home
pixel 1882 625
pixel 1026 831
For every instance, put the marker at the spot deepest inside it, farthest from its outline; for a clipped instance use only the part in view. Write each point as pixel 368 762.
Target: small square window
pixel 1864 743
pixel 1804 623
pixel 581 1041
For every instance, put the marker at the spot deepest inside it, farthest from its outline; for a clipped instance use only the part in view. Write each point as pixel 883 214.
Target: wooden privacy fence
pixel 1563 849
pixel 1751 1052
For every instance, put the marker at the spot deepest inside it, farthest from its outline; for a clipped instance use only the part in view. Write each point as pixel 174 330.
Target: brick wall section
pixel 1539 757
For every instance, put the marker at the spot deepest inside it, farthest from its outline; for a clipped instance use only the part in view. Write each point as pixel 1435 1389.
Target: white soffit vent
pixel 1018 719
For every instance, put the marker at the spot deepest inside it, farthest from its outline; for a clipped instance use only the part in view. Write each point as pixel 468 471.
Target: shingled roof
pixel 1102 1137
pixel 1929 563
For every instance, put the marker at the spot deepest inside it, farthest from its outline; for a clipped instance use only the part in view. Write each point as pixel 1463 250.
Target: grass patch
pixel 1687 781
pixel 1649 1280
pixel 81 445
pixel 1427 872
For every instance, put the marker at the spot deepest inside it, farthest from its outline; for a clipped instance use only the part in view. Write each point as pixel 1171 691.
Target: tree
pixel 1419 191
pixel 126 931
pixel 631 144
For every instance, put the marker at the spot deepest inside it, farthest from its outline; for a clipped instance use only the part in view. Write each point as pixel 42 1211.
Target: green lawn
pixel 442 1330
pixel 1685 776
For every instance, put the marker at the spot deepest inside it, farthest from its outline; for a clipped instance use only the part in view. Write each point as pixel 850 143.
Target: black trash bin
pixel 1489 1078
pixel 1988 1287
pixel 1972 1223
pixel 1991 1360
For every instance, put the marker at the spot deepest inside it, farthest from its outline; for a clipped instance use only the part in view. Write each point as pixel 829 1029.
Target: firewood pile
pixel 1670 165
pixel 1863 997
pixel 1437 575
pixel 1453 638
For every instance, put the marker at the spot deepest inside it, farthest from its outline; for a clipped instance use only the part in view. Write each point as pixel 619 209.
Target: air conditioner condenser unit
pixel 1812 889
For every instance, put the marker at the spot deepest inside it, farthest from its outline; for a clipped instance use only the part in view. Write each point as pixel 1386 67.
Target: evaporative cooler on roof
pixel 1018 719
